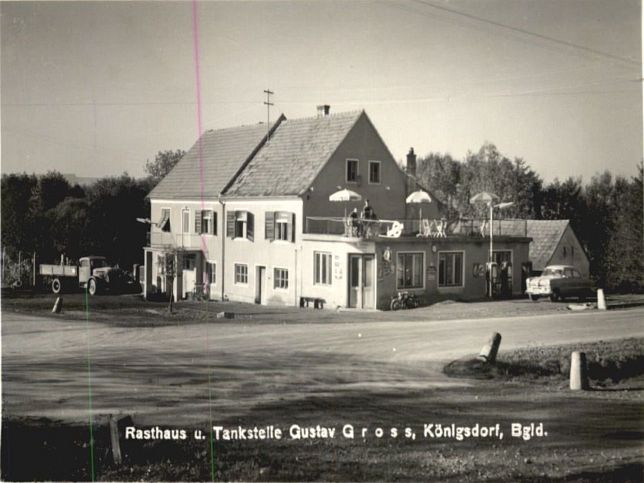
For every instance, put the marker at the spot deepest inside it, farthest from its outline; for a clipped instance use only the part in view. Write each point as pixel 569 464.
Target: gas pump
pixel 492 279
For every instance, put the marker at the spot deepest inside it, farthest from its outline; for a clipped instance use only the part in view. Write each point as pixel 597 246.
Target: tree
pixel 163 163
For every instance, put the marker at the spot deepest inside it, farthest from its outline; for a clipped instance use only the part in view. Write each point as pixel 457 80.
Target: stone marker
pixel 578 372
pixel 601 301
pixel 58 306
pixel 116 444
pixel 490 349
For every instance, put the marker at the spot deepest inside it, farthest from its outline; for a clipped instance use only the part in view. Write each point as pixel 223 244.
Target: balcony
pixel 429 228
pixel 181 241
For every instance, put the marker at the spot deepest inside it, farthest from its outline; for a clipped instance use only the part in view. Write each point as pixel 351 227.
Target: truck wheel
pixel 56 286
pixel 92 286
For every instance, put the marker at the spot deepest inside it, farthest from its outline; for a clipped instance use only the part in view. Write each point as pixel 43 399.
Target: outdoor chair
pixel 395 230
pixel 425 229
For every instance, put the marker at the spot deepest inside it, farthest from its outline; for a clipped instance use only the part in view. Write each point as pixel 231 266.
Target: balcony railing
pixel 159 239
pixel 430 228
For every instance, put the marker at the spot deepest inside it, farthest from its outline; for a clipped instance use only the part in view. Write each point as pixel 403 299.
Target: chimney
pixel 411 162
pixel 323 110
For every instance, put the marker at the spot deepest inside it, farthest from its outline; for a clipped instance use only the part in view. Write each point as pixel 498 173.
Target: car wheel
pixel 532 297
pixel 92 286
pixel 56 286
pixel 554 297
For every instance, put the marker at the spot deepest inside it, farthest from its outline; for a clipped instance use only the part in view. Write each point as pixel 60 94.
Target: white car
pixel 558 282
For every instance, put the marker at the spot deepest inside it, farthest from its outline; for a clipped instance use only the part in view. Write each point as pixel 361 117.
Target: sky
pixel 98 88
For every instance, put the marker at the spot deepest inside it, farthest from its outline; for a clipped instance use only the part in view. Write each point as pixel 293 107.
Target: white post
pixel 491 258
pixel 601 300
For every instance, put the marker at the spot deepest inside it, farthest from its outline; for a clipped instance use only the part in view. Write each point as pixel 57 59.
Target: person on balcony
pixel 367 215
pixel 354 223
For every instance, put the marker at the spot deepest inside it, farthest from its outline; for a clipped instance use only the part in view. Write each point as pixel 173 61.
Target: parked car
pixel 558 282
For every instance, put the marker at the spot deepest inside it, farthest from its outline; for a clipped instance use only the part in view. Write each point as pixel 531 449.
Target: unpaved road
pixel 184 374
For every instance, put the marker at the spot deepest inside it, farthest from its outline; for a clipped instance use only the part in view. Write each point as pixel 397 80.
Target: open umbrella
pixel 345 195
pixel 484 197
pixel 419 197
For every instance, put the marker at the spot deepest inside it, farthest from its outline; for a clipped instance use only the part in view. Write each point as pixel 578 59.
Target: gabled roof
pixel 546 235
pixel 295 154
pixel 224 153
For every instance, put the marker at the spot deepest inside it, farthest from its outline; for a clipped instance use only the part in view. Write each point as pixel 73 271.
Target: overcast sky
pixel 97 88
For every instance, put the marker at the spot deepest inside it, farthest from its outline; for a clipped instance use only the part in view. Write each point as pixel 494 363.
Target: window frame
pixel 280 278
pixel 237 273
pixel 317 269
pixel 212 279
pixel 379 164
pixel 346 170
pixel 462 271
pixel 241 218
pixel 281 230
pixel 185 215
pixel 207 216
pixel 169 222
pixel 422 266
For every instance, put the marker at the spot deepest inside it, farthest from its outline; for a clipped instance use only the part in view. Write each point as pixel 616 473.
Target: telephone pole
pixel 268 104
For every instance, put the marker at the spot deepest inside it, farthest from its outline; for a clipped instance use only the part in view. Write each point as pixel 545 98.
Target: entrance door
pixel 361 281
pixel 189 275
pixel 260 286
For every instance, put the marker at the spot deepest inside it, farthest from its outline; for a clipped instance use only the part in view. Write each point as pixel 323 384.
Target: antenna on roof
pixel 268 104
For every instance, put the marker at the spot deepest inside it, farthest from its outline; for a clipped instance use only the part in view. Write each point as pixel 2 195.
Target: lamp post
pixel 490 198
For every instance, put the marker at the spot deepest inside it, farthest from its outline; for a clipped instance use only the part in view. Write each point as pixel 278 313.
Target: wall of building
pixel 261 252
pixel 475 251
pixel 362 143
pixel 334 294
pixel 570 252
pixel 209 245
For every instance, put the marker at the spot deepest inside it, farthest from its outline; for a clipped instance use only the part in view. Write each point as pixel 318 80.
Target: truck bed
pixel 59 270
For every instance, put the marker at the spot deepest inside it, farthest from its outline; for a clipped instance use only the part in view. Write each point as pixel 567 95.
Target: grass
pixel 608 362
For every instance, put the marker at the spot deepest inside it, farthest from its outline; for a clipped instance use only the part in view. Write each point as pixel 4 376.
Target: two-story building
pixel 248 215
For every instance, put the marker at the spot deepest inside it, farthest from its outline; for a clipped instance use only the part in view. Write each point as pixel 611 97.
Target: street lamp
pixel 489 199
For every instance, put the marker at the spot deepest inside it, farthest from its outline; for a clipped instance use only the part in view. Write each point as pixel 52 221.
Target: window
pixel 164 223
pixel 279 225
pixel 410 270
pixel 205 222
pixel 352 170
pixel 240 224
pixel 280 278
pixel 185 221
pixel 211 273
pixel 450 269
pixel 501 256
pixel 321 268
pixel 241 273
pixel 374 172
pixel 281 230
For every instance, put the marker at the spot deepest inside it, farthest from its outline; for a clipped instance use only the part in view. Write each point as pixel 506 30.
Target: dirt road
pixel 182 374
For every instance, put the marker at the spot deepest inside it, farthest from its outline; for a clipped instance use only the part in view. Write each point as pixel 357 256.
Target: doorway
pixel 189 275
pixel 361 282
pixel 260 286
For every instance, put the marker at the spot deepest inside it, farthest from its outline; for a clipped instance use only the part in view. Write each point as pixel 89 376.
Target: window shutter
pixel 198 222
pixel 250 226
pixel 213 229
pixel 291 228
pixel 230 224
pixel 269 225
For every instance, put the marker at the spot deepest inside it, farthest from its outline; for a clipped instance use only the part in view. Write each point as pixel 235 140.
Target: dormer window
pixel 352 171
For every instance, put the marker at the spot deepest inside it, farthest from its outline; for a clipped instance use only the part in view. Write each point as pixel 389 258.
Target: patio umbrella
pixel 484 197
pixel 345 196
pixel 419 197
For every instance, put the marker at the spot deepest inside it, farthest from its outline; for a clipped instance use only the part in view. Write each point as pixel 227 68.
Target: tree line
pixel 48 215
pixel 605 212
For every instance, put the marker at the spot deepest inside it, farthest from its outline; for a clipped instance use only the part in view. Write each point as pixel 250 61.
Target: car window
pixel 576 274
pixel 84 263
pixel 568 273
pixel 552 272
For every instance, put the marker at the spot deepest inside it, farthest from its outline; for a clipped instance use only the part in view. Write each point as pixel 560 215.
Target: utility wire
pixel 530 34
